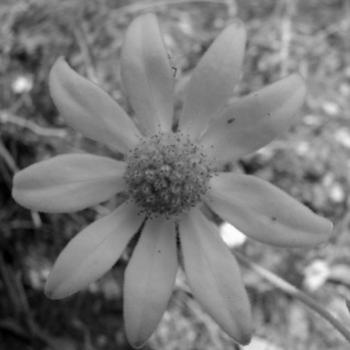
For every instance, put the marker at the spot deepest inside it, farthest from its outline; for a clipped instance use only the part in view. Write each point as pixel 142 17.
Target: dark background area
pixel 312 163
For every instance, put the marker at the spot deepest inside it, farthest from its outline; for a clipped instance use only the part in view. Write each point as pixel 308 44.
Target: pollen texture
pixel 167 174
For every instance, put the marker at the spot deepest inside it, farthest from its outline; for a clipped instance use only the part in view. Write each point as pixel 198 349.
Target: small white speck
pixel 22 84
pixel 342 136
pixel 330 108
pixel 316 275
pixel 302 148
pixel 231 235
pixel 337 193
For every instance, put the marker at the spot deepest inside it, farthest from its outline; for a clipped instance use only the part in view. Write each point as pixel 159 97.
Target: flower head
pixel 168 176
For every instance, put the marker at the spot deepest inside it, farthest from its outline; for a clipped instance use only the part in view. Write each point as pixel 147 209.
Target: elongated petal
pixel 251 122
pixel 92 252
pixel 214 79
pixel 149 280
pixel 213 276
pixel 68 183
pixel 147 74
pixel 88 109
pixel 265 213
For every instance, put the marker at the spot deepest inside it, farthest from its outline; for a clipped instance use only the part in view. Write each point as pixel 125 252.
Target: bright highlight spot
pixel 232 236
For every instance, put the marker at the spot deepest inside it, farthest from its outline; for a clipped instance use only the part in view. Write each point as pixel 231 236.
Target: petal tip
pixel 145 19
pixel 59 68
pixel 53 288
pixel 55 71
pixel 237 30
pixel 137 341
pixel 60 59
pixel 16 180
pixel 56 291
pixel 20 198
pixel 325 229
pixel 51 293
pixel 149 15
pixel 237 23
pixel 242 333
pixel 15 195
pixel 299 83
pixel 137 344
pixel 245 338
pixel 59 62
pixel 246 329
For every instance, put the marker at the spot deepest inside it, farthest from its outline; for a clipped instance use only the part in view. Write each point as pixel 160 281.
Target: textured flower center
pixel 167 174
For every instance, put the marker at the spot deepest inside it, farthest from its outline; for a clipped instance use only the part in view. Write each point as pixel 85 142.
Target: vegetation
pixel 311 163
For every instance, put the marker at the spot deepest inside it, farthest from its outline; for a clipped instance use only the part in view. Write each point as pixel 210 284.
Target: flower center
pixel 167 174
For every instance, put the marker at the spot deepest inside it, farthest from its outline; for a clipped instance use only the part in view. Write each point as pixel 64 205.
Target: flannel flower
pixel 169 177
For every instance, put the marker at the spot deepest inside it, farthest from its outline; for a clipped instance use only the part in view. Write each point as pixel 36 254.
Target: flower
pixel 169 176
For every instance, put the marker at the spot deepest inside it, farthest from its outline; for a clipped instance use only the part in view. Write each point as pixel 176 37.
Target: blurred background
pixel 312 163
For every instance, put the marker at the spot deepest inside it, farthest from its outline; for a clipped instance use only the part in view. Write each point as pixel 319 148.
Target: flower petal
pixel 214 79
pixel 149 280
pixel 92 252
pixel 68 183
pixel 90 110
pixel 251 122
pixel 213 276
pixel 265 213
pixel 147 75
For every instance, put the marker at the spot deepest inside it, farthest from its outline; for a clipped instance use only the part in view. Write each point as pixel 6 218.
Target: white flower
pixel 168 176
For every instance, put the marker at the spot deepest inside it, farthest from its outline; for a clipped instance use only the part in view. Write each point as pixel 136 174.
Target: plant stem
pixel 294 292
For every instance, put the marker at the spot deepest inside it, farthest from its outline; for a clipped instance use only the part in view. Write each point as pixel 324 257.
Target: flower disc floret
pixel 167 174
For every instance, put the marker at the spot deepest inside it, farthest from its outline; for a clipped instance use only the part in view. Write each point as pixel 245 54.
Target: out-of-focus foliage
pixel 312 163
